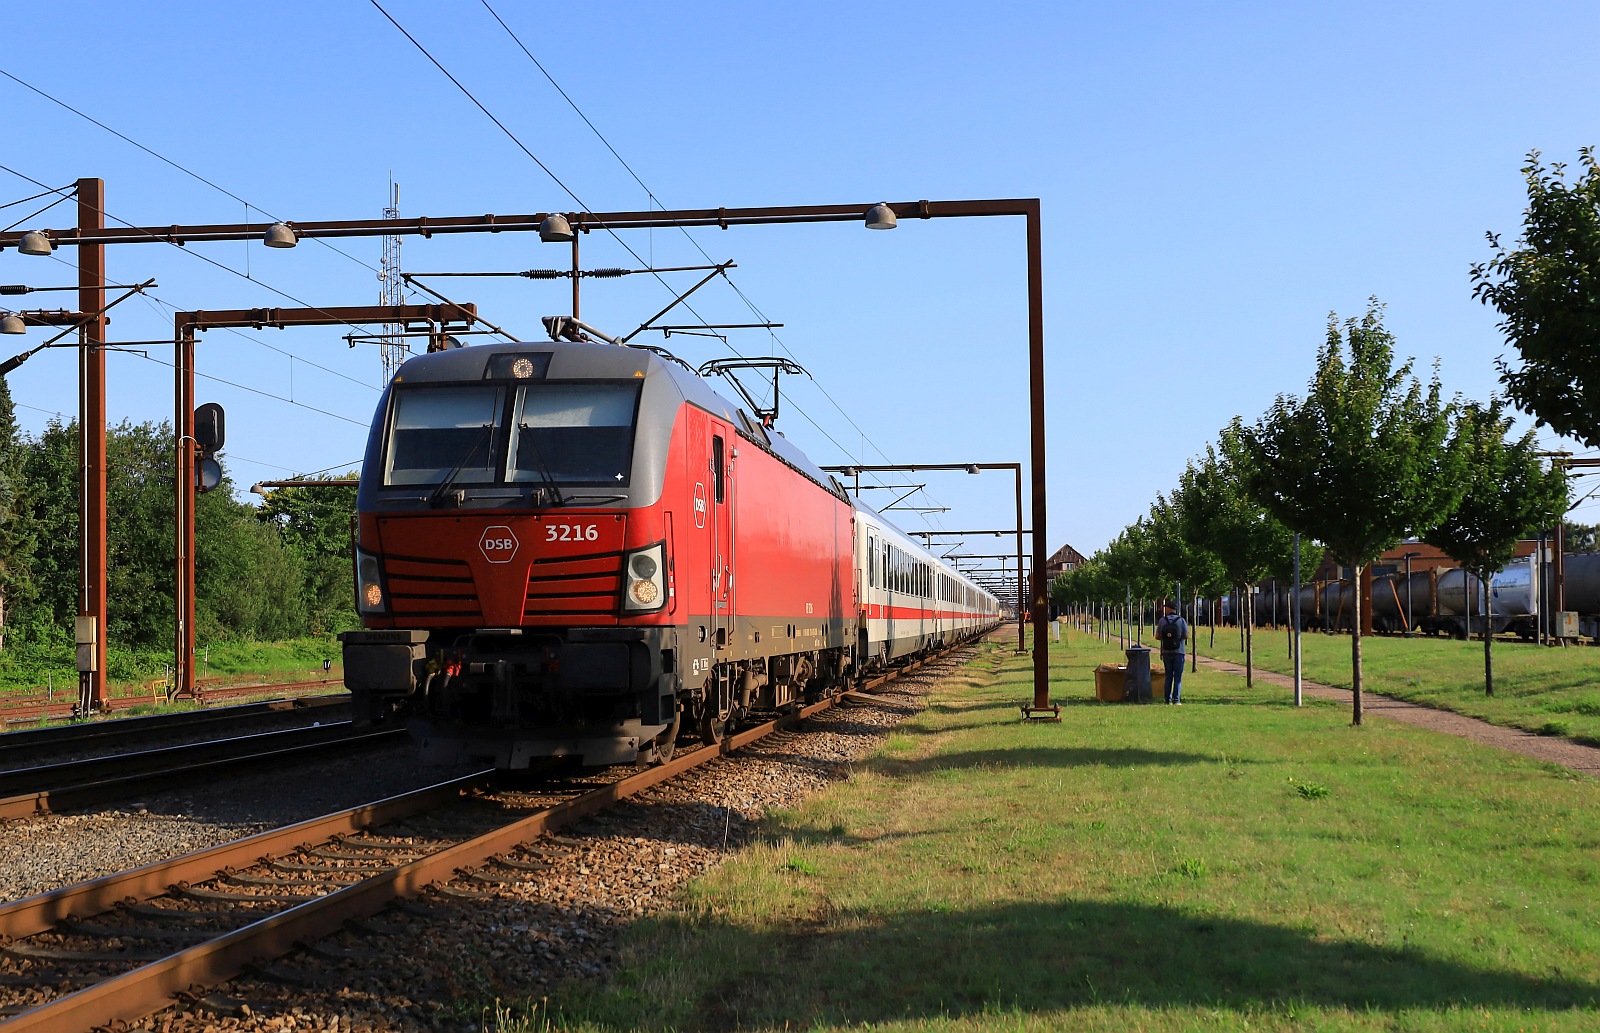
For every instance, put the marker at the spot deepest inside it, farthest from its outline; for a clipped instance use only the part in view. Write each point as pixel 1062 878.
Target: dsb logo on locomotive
pixel 499 545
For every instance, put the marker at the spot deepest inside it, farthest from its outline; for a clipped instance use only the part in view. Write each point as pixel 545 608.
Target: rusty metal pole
pixel 92 440
pixel 183 685
pixel 1022 585
pixel 1041 659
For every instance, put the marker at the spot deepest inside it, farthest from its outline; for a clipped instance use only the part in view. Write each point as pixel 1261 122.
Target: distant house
pixel 1062 560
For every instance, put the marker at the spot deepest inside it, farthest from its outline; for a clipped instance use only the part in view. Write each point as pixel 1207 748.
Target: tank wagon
pixel 573 549
pixel 1445 601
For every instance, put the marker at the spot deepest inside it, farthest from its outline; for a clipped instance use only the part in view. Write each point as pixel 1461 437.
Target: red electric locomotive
pixel 567 549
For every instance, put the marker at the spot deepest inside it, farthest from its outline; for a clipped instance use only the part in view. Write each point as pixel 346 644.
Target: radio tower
pixel 393 290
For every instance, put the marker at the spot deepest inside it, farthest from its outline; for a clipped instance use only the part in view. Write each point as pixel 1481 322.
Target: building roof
pixel 1064 557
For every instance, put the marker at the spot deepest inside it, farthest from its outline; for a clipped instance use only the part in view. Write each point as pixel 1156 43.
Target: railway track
pixel 119 948
pixel 47 788
pixel 120 732
pixel 40 707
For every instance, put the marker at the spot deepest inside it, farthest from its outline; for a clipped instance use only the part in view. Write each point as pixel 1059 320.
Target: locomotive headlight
pixel 645 579
pixel 370 596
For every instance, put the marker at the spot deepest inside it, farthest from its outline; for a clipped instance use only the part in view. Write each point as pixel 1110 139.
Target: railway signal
pixel 210 431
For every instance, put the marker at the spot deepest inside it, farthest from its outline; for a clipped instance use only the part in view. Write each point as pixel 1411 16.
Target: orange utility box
pixel 1108 682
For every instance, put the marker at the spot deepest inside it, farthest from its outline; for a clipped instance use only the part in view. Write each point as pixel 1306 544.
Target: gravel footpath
pixel 427 965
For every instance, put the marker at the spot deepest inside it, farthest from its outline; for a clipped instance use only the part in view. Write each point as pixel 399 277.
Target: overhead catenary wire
pixel 293 356
pixel 252 390
pixel 226 268
pixel 749 303
pixel 153 299
pixel 250 205
pixel 163 158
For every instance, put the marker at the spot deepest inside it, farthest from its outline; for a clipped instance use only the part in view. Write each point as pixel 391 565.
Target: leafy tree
pixel 1507 495
pixel 1180 558
pixel 16 543
pixel 248 583
pixel 1580 537
pixel 1547 291
pixel 1177 556
pixel 50 472
pixel 315 525
pixel 1362 460
pixel 140 534
pixel 1131 573
pixel 1220 515
pixel 1087 583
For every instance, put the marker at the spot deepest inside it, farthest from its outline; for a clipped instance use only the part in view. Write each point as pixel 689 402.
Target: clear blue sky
pixel 1215 178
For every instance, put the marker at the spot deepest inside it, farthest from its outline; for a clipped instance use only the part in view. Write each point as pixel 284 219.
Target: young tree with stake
pixel 1507 494
pixel 1362 460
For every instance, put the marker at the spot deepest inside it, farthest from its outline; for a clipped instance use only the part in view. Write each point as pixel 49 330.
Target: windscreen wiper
pixel 437 498
pixel 539 464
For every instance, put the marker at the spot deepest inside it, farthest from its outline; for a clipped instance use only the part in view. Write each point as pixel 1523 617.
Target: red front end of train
pixel 552 553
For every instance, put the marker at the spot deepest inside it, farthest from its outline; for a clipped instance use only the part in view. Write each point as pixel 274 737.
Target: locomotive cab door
pixel 722 544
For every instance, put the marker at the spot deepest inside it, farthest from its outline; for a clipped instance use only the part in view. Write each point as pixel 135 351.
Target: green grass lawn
pixel 1539 689
pixel 227 662
pixel 1232 864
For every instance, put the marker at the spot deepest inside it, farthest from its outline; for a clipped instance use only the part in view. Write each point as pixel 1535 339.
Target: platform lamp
pixel 35 243
pixel 881 217
pixel 280 234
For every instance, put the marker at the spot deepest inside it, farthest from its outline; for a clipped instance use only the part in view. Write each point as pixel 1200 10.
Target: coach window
pixel 717 466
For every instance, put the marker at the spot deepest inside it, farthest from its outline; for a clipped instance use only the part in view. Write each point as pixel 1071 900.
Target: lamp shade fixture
pixel 280 234
pixel 555 229
pixel 34 243
pixel 881 217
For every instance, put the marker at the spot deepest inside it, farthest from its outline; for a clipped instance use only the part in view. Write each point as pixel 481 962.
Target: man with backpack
pixel 1172 631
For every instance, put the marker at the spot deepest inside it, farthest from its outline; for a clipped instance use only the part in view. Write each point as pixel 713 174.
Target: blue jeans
pixel 1172 664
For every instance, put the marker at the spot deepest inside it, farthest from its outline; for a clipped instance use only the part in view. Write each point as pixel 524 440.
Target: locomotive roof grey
pixel 667 385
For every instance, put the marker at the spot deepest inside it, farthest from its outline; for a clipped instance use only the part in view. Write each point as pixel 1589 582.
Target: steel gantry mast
pixel 392 294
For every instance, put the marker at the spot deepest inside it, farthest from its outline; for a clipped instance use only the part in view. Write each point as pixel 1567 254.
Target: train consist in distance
pixel 1446 601
pixel 573 549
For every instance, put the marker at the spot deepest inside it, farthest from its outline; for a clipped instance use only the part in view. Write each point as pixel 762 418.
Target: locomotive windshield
pixel 545 432
pixel 573 433
pixel 443 431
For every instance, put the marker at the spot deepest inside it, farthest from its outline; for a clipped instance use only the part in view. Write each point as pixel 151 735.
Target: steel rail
pixel 14 710
pixel 87 794
pixel 151 987
pixel 43 911
pixel 113 729
pixel 65 773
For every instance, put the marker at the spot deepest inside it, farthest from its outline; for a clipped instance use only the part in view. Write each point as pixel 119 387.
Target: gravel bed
pixel 51 851
pixel 442 956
